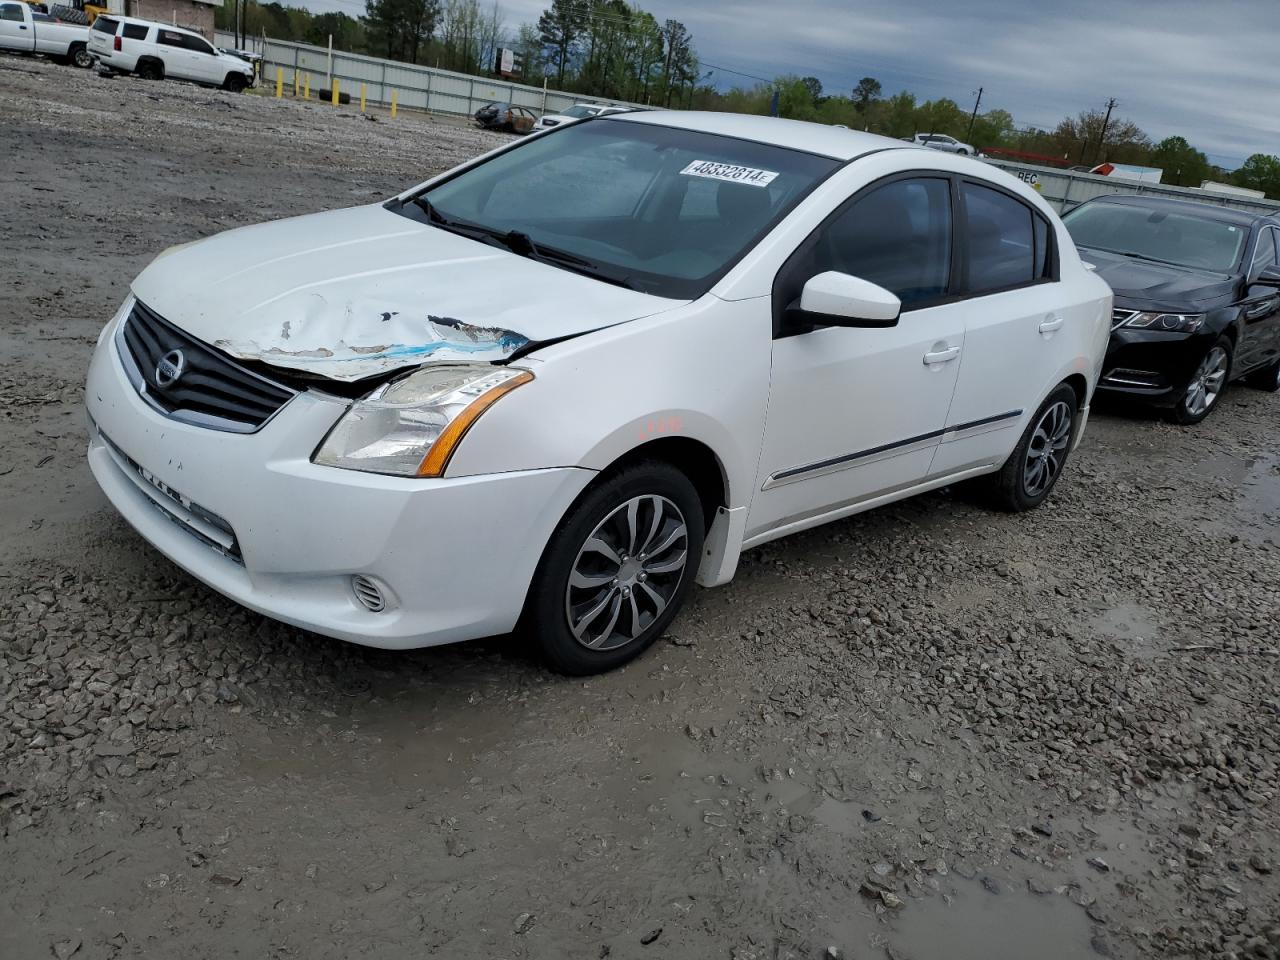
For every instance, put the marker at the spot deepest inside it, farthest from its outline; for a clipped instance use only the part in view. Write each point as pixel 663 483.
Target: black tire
pixel 1018 485
pixel 1268 378
pixel 80 56
pixel 150 70
pixel 235 82
pixel 665 499
pixel 1187 410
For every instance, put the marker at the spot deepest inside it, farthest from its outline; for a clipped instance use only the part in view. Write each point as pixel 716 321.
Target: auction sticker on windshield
pixel 728 171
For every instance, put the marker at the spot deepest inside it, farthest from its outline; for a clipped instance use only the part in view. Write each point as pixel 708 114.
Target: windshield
pixel 654 208
pixel 1184 240
pixel 578 110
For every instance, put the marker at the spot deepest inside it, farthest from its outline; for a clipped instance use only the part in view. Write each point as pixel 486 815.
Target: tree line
pixel 616 50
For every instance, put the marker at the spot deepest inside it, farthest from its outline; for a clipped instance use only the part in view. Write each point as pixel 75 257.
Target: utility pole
pixel 972 117
pixel 1102 137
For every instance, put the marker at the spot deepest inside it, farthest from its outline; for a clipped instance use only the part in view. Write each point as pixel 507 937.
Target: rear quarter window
pixel 1006 241
pixel 136 31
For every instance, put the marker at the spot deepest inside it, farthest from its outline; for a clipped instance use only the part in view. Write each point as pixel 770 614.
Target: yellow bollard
pixel 394 94
pixel 362 98
pixel 306 87
pixel 279 82
pixel 334 92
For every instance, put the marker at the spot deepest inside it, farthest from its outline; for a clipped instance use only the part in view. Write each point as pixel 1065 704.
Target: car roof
pixel 121 18
pixel 834 142
pixel 1190 207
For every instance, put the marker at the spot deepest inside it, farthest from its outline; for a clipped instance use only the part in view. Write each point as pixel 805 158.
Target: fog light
pixel 368 593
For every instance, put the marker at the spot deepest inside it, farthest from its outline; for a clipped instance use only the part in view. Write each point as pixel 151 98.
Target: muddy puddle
pixel 973 924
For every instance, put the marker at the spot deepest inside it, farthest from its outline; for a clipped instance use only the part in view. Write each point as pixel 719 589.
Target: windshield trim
pixel 406 204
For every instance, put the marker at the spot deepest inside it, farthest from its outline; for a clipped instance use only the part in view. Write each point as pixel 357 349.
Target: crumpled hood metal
pixel 354 293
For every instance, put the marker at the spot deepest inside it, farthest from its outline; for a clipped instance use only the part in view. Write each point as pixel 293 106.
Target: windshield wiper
pixel 520 243
pixel 1141 256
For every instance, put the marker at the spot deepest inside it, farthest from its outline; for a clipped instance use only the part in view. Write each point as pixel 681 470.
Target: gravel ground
pixel 927 732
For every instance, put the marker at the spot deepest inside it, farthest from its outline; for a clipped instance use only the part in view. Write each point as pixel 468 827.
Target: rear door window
pixel 136 31
pixel 171 38
pixel 1000 240
pixel 196 44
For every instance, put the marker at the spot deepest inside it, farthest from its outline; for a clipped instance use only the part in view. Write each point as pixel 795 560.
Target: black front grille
pixel 210 389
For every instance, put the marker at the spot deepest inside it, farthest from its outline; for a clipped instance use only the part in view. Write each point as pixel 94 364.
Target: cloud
pixel 1202 70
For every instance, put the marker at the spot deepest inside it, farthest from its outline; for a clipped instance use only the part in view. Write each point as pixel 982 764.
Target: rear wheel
pixel 1032 470
pixel 617 569
pixel 150 70
pixel 1202 393
pixel 81 57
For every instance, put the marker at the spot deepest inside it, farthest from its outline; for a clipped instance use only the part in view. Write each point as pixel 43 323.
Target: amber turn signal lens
pixel 437 458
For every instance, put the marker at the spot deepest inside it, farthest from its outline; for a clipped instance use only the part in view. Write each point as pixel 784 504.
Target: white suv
pixel 156 51
pixel 556 385
pixel 578 111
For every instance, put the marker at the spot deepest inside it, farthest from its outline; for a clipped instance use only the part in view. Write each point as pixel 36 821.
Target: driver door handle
pixel 1049 326
pixel 941 356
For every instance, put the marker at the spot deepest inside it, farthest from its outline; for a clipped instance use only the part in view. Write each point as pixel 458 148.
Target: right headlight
pixel 411 426
pixel 1168 322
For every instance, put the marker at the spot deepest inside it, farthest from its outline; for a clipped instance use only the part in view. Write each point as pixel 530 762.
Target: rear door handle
pixel 1049 326
pixel 941 356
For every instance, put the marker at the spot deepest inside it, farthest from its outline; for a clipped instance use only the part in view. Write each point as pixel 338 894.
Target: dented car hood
pixel 354 293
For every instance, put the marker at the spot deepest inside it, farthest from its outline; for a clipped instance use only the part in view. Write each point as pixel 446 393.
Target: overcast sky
pixel 1206 69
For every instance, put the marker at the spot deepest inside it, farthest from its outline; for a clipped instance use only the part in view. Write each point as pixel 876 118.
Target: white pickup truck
pixel 23 30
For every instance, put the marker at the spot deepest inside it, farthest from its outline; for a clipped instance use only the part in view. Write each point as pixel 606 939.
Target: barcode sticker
pixel 712 170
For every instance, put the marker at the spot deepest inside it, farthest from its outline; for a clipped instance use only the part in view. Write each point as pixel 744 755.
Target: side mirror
pixel 1269 277
pixel 835 299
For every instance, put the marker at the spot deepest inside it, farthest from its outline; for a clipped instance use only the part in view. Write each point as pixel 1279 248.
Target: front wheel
pixel 617 569
pixel 235 82
pixel 1202 393
pixel 1033 469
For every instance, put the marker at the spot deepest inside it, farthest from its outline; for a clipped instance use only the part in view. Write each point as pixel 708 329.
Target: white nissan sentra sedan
pixel 553 387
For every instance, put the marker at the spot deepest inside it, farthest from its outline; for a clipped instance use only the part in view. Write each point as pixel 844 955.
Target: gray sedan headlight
pixel 1168 322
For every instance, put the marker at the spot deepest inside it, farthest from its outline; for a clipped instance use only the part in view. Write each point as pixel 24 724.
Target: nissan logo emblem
pixel 170 368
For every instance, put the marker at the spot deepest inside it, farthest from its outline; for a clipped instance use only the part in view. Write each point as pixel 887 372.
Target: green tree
pixel 795 100
pixel 896 117
pixel 560 27
pixel 1183 164
pixel 865 93
pixel 401 27
pixel 992 129
pixel 1260 172
pixel 814 86
pixel 1081 138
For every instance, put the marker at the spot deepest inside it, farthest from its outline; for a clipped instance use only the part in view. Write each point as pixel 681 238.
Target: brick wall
pixel 184 13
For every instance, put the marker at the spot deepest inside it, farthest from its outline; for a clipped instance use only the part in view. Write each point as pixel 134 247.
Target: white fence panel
pixel 420 87
pixel 1065 189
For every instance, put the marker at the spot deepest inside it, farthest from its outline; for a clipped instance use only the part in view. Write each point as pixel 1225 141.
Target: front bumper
pixel 1152 365
pixel 253 518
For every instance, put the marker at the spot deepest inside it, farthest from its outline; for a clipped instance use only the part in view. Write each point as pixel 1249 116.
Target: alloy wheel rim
pixel 626 573
pixel 1206 384
pixel 1047 450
